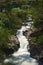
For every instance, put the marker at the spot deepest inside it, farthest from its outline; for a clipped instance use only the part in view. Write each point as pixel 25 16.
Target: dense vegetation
pixel 11 18
pixel 37 15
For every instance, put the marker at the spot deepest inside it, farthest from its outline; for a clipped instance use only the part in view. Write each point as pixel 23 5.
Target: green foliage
pixel 10 20
pixel 4 36
pixel 22 2
pixel 37 15
pixel 38 40
pixel 20 14
pixel 8 6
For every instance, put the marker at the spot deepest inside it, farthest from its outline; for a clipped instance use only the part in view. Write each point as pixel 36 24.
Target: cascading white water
pixel 22 56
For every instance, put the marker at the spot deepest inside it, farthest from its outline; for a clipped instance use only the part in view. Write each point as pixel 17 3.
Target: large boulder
pixel 36 50
pixel 36 32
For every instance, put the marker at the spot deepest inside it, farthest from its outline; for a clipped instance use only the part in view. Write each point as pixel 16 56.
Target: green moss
pixel 38 39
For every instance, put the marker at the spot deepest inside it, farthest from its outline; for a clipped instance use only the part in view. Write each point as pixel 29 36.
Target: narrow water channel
pixel 22 56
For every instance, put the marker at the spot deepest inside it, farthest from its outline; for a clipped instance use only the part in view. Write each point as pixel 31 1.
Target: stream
pixel 22 56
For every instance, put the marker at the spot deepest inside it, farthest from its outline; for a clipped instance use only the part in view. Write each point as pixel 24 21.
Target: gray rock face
pixel 36 50
pixel 14 43
pixel 14 40
pixel 12 47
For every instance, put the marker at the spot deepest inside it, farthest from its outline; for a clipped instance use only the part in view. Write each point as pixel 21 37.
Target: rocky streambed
pixel 36 50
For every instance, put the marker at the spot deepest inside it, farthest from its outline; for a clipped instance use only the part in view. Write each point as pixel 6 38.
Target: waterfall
pixel 22 56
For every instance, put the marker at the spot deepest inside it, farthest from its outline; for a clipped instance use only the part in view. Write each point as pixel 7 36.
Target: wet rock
pixel 36 32
pixel 41 61
pixel 25 33
pixel 14 42
pixel 12 47
pixel 7 50
pixel 36 51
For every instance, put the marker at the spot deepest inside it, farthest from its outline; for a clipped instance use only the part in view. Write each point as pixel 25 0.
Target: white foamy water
pixel 22 56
